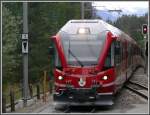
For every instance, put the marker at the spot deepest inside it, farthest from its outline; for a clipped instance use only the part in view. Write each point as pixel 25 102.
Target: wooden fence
pixel 35 90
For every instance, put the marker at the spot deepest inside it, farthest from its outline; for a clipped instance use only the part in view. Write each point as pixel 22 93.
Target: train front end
pixel 84 72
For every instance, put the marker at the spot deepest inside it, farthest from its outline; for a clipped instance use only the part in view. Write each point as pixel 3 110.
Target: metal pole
pixel 146 59
pixel 82 10
pixel 25 55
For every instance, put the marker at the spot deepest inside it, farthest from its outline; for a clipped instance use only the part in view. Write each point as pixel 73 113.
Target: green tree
pixel 132 25
pixel 45 20
pixel 10 39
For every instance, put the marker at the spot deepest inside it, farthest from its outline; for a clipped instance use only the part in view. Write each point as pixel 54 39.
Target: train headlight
pixel 105 77
pixel 83 31
pixel 60 77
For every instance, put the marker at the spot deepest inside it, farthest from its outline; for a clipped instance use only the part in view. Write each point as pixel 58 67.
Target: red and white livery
pixel 93 59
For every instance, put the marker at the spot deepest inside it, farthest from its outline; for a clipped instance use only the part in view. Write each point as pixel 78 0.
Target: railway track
pixel 142 86
pixel 137 88
pixel 69 109
pixel 93 110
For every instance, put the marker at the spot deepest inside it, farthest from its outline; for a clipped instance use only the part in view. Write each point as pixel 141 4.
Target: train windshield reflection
pixel 82 50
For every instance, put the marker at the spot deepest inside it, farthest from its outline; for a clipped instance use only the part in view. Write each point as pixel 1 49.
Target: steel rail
pixel 93 110
pixel 134 83
pixel 67 110
pixel 137 92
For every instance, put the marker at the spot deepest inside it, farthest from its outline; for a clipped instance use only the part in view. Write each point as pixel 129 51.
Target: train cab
pixel 84 63
pixel 87 63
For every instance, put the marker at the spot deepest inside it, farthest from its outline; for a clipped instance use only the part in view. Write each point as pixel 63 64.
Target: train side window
pixel 117 53
pixel 107 64
pixel 57 60
pixel 112 54
pixel 129 54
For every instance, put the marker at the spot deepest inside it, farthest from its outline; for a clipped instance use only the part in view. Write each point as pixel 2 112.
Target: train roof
pixel 96 26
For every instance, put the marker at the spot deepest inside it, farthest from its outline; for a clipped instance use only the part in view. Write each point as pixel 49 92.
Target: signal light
pixel 144 29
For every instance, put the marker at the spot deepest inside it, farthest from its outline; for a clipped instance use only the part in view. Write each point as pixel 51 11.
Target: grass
pixel 18 92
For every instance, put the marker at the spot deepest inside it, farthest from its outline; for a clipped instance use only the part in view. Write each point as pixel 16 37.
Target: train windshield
pixel 82 50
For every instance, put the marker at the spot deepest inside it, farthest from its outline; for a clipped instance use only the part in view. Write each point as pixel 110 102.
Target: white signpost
pixel 24 46
pixel 24 43
pixel 24 36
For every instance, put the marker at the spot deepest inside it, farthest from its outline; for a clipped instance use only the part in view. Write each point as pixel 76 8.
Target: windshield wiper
pixel 75 57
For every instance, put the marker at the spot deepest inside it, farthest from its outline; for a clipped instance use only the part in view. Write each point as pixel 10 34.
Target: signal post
pixel 144 32
pixel 25 53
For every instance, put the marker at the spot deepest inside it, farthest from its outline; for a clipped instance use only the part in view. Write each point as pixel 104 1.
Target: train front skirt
pixel 83 97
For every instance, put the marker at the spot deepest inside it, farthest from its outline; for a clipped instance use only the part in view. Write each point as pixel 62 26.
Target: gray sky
pixel 130 7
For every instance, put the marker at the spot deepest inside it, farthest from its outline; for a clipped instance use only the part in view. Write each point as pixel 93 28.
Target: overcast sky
pixel 133 7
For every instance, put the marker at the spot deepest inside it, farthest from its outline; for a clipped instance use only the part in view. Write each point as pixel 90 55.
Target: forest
pixel 45 19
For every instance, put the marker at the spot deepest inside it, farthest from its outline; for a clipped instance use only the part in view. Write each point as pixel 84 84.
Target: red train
pixel 93 59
